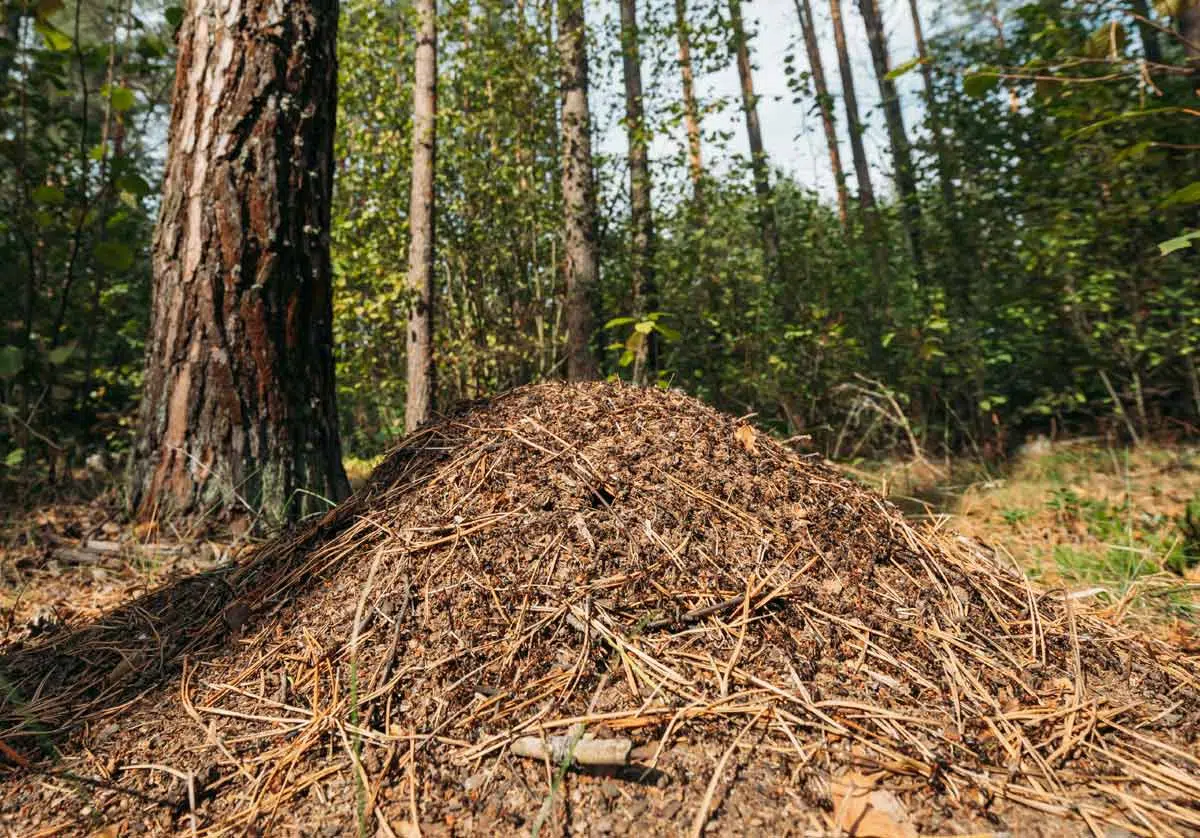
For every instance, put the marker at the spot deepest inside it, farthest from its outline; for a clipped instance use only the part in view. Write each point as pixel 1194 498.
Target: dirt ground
pixel 763 644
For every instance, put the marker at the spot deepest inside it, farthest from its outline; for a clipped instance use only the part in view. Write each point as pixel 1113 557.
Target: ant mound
pixel 597 610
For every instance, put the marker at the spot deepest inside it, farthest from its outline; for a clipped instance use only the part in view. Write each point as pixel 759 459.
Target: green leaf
pixel 11 361
pixel 55 39
pixel 977 85
pixel 122 99
pixel 15 457
pixel 618 321
pixel 908 66
pixel 645 327
pixel 174 16
pixel 626 358
pixel 1178 243
pixel 115 256
pixel 51 195
pixel 1190 194
pixel 670 335
pixel 134 184
pixel 43 9
pixel 60 355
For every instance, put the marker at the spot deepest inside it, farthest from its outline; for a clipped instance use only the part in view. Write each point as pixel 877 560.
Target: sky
pixel 792 133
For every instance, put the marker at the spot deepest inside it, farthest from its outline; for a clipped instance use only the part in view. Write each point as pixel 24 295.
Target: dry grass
pixel 1078 514
pixel 770 635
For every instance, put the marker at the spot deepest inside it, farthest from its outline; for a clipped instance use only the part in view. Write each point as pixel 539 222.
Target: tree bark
pixel 825 103
pixel 691 110
pixel 418 405
pixel 239 399
pixel 579 196
pixel 645 292
pixel 862 173
pixel 758 157
pixel 906 182
pixel 945 176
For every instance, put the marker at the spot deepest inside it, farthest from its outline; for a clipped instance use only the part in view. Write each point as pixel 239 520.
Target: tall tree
pixel 691 110
pixel 238 401
pixel 905 177
pixel 932 114
pixel 825 104
pixel 645 292
pixel 418 406
pixel 579 195
pixel 862 172
pixel 758 157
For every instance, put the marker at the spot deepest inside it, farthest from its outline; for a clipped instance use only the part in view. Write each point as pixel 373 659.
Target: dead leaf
pixel 864 811
pixel 113 830
pixel 746 436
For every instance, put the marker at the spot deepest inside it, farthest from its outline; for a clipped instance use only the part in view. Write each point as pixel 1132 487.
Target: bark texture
pixel 418 405
pixel 579 194
pixel 645 291
pixel 862 173
pixel 691 110
pixel 238 404
pixel 758 156
pixel 905 177
pixel 825 103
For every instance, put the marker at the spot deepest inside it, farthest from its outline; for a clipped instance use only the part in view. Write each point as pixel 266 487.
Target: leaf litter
pixel 747 639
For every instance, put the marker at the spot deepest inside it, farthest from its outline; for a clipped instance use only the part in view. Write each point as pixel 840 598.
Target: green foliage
pixel 82 111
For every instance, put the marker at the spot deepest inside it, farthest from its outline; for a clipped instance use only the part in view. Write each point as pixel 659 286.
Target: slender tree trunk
pixel 1187 22
pixel 419 402
pixel 579 197
pixel 758 157
pixel 645 291
pixel 862 173
pixel 906 182
pixel 932 114
pixel 691 110
pixel 239 399
pixel 825 103
pixel 1150 48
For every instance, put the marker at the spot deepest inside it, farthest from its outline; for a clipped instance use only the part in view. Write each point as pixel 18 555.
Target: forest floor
pixel 1075 514
pixel 741 638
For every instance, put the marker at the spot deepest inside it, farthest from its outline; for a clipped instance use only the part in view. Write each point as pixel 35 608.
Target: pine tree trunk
pixel 579 196
pixel 758 157
pixel 645 292
pixel 862 173
pixel 825 103
pixel 1150 48
pixel 691 110
pixel 906 182
pixel 945 176
pixel 239 401
pixel 1187 22
pixel 419 401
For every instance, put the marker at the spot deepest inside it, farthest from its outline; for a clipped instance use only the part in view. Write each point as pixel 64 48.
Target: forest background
pixel 1024 262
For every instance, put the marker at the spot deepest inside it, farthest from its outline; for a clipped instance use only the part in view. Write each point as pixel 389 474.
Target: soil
pixel 781 649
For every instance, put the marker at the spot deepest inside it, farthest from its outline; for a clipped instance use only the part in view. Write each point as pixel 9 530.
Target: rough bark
pixel 862 173
pixel 579 196
pixel 906 182
pixel 691 110
pixel 418 405
pixel 825 103
pixel 758 157
pixel 945 176
pixel 645 292
pixel 238 405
